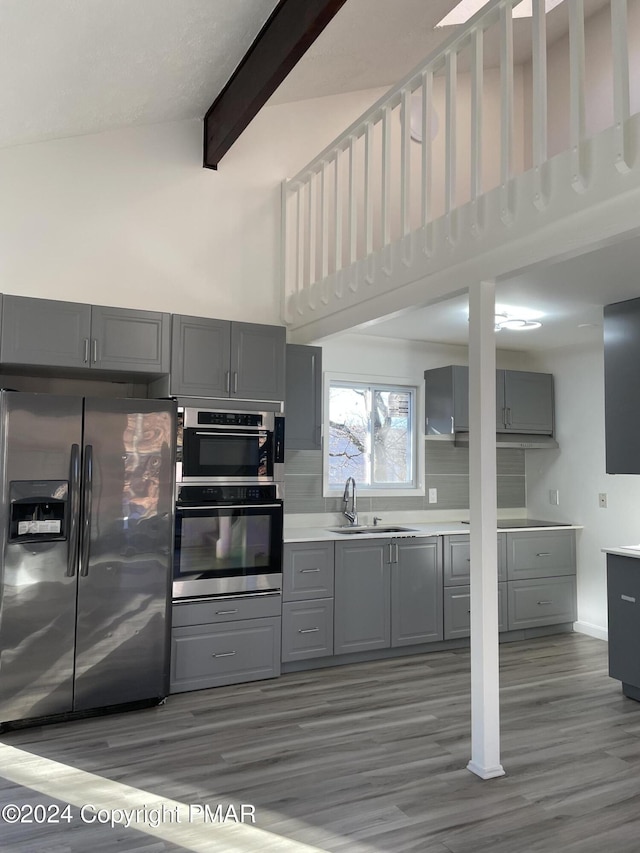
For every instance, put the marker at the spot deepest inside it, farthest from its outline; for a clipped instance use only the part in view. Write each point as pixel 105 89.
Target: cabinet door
pixel 257 361
pixel 45 332
pixel 200 356
pixel 303 397
pixel 307 629
pixel 621 378
pixel 528 401
pixel 128 340
pixel 623 596
pixel 362 596
pixel 416 591
pixel 457 611
pixel 541 601
pixel 457 559
pixel 540 554
pixel 307 571
pixel 446 399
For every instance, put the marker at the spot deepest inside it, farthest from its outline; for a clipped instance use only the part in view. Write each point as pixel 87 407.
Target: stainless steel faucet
pixel 350 513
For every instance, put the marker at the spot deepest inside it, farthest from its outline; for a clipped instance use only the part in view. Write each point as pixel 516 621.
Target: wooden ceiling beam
pixel 292 28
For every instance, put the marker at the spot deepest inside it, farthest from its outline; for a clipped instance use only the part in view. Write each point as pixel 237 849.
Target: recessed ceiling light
pixel 466 9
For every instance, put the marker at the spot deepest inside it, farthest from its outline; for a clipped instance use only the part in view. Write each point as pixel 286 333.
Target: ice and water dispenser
pixel 39 510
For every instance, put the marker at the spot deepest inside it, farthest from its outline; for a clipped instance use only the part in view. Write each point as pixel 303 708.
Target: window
pixel 371 437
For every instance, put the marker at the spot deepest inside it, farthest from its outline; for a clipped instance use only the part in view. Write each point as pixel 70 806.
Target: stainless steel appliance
pixel 87 506
pixel 229 447
pixel 228 540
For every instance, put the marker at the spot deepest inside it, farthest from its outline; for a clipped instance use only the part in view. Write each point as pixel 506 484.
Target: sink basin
pixel 370 528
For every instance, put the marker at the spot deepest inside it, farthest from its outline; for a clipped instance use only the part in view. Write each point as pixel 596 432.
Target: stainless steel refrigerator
pixel 87 497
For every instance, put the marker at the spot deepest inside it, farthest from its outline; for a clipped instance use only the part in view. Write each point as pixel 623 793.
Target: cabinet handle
pixel 307 571
pixel 226 612
pixel 308 630
pixel 235 382
pixel 630 598
pixel 461 595
pixel 390 560
pixel 86 350
pixel 223 655
pixel 95 350
pixel 468 559
pixel 452 425
pixel 227 381
pixel 544 554
pixel 545 602
pixel 508 416
pixel 397 547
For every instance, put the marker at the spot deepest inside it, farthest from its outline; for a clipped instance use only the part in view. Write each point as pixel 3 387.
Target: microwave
pixel 229 447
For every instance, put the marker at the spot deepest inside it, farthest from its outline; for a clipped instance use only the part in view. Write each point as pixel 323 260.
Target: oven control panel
pixel 227 494
pixel 245 419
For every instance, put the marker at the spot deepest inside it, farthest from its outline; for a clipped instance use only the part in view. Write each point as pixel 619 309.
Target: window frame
pixel 385 382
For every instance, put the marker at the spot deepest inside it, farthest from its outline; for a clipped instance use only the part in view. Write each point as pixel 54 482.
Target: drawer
pixel 457 618
pixel 213 655
pixel 307 629
pixel 544 601
pixel 225 609
pixel 542 554
pixel 307 571
pixel 457 559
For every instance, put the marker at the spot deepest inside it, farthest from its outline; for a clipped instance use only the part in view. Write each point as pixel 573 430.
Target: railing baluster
pixel 338 219
pixel 427 158
pixel 368 199
pixel 299 248
pixel 539 94
pixel 324 223
pixel 405 163
pixel 353 222
pixel 576 93
pixel 311 234
pixel 506 124
pixel 450 156
pixel 386 177
pixel 619 30
pixel 477 78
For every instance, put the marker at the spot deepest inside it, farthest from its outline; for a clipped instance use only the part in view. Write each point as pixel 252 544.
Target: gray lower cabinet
pixel 220 358
pixel 623 601
pixel 303 397
pixel 416 591
pixel 225 641
pixel 362 607
pixel 540 554
pixel 457 559
pixel 307 591
pixel 457 611
pixel 541 601
pixel 50 333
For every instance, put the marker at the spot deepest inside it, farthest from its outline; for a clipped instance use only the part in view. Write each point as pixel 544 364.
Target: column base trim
pixel 486 772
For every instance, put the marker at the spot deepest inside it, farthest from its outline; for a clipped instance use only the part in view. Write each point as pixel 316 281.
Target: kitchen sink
pixel 371 528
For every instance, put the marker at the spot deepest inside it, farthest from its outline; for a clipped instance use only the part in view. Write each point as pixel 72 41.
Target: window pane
pixel 349 435
pixel 392 442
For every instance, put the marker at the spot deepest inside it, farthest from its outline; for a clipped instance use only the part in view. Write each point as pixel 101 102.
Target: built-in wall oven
pixel 228 540
pixel 229 447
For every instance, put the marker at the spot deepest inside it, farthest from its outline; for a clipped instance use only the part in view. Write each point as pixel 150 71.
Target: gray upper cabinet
pixel 416 591
pixel 621 379
pixel 362 596
pixel 524 401
pixel 49 333
pixel 218 358
pixel 303 397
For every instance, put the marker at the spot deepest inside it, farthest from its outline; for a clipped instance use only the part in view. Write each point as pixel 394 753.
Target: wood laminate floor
pixel 366 758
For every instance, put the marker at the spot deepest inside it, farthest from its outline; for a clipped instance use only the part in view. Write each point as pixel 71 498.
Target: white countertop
pixel 438 528
pixel 624 551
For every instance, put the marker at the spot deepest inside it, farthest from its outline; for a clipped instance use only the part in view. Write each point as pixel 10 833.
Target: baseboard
pixel 591 630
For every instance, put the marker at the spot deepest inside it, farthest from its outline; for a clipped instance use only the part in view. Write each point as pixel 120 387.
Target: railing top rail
pixel 484 18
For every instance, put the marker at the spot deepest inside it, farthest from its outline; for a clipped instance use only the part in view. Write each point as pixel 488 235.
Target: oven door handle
pixel 218 434
pixel 216 506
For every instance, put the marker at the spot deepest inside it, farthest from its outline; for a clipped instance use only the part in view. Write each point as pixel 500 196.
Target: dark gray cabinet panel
pixel 528 402
pixel 48 333
pixel 457 611
pixel 200 356
pixel 225 609
pixel 457 559
pixel 127 340
pixel 257 361
pixel 307 629
pixel 621 379
pixel 307 571
pixel 303 397
pixel 362 596
pixel 416 591
pixel 623 595
pixel 446 399
pixel 540 554
pixel 226 653
pixel 541 601
pixel 45 332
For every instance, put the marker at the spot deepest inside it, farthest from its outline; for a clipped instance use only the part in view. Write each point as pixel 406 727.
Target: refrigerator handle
pixel 86 510
pixel 74 510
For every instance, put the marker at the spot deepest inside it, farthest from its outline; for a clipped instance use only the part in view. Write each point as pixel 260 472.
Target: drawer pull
pixel 544 554
pixel 630 598
pixel 307 571
pixel 223 655
pixel 545 602
pixel 308 630
pixel 226 612
pixel 461 595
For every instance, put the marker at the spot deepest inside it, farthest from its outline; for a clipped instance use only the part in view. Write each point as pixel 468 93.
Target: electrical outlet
pixel 554 497
pixel 602 500
pixel 433 496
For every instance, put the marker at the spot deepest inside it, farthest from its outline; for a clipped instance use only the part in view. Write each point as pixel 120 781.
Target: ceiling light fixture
pixel 466 9
pixel 514 324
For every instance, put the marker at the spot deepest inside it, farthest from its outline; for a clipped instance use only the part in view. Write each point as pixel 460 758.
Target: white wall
pixel 130 217
pixel 577 470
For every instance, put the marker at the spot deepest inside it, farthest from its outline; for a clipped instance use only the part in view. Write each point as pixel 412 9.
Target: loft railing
pixel 456 128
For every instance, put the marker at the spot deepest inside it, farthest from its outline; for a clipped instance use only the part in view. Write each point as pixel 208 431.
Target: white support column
pixel 485 698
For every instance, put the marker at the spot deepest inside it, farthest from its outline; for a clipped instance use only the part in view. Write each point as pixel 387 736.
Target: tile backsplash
pixel 446 469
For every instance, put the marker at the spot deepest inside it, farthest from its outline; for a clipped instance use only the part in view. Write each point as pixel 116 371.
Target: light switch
pixel 554 497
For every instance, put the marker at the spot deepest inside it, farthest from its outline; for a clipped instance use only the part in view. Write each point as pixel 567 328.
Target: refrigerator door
pixel 41 436
pixel 122 640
